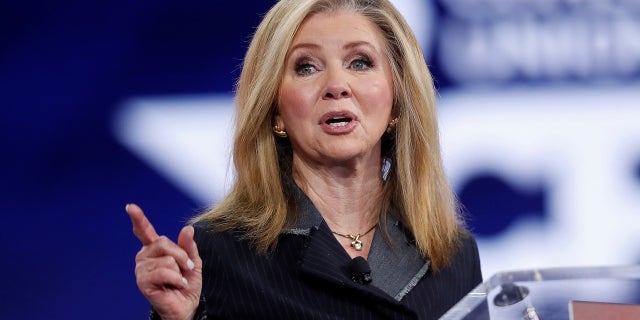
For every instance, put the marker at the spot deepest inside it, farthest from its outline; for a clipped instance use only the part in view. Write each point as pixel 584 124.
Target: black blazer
pixel 306 277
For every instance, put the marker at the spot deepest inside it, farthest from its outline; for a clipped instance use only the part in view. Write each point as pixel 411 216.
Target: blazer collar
pixel 322 255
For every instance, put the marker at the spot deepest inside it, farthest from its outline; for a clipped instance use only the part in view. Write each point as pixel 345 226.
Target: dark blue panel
pixel 492 203
pixel 67 244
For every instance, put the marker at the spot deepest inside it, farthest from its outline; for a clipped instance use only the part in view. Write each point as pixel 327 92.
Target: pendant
pixel 356 243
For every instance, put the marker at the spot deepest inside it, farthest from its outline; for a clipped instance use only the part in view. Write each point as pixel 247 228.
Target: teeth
pixel 338 121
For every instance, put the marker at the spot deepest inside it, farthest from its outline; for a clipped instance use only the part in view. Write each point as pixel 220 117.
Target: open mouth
pixel 338 121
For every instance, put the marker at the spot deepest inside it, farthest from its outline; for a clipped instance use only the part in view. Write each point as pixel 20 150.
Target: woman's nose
pixel 337 85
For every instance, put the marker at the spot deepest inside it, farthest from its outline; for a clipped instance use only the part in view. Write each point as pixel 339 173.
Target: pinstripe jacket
pixel 306 277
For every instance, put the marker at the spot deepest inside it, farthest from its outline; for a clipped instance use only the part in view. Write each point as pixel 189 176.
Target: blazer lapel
pixel 324 257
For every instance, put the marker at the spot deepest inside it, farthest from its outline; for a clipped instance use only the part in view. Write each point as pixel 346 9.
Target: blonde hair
pixel 260 204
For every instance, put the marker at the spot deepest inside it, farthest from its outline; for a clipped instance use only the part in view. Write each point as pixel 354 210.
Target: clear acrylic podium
pixel 545 294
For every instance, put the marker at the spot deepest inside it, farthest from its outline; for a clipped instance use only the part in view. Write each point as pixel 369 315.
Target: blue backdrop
pixel 67 66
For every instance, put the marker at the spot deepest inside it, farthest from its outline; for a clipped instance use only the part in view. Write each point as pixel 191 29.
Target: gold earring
pixel 392 125
pixel 278 132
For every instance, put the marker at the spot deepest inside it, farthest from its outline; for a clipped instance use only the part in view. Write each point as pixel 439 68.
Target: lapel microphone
pixel 360 270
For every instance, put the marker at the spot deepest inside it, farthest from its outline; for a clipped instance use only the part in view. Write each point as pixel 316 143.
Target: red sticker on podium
pixel 585 310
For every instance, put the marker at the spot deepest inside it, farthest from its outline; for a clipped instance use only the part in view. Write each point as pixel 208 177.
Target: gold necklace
pixel 356 243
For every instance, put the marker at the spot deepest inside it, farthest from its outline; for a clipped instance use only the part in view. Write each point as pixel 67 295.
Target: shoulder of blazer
pixel 467 258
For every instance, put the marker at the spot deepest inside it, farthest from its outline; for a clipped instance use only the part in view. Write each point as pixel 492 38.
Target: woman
pixel 337 156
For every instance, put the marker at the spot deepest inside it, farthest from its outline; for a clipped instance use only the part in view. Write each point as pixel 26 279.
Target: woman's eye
pixel 305 69
pixel 360 64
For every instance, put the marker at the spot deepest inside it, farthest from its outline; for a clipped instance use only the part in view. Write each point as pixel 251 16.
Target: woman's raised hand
pixel 169 275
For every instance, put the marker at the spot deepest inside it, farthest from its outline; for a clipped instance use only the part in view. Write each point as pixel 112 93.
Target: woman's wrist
pixel 198 314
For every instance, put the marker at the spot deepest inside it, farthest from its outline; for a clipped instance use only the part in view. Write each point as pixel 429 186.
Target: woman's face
pixel 336 97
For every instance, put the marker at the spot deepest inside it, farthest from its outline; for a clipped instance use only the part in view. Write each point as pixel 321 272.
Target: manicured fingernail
pixel 127 206
pixel 184 280
pixel 190 264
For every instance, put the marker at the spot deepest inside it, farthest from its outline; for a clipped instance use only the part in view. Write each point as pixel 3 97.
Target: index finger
pixel 142 228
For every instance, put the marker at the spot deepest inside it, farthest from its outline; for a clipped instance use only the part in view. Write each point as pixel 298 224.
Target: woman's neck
pixel 348 198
